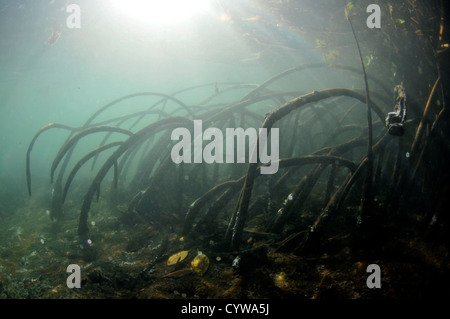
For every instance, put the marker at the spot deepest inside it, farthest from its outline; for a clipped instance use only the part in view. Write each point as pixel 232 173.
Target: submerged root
pixel 226 198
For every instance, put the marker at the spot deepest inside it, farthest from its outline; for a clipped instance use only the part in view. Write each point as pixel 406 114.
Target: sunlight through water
pixel 161 12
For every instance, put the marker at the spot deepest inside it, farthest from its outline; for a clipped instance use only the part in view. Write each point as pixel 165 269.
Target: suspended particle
pixel 359 220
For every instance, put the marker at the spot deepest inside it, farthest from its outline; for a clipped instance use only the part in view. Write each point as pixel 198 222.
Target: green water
pixel 53 72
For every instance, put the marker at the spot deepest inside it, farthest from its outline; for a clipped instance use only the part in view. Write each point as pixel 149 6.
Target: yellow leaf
pixel 176 258
pixel 200 263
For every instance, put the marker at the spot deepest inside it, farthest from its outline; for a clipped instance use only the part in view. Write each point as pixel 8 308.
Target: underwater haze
pixel 103 164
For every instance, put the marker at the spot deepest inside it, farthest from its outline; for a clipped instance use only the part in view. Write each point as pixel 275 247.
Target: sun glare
pixel 161 11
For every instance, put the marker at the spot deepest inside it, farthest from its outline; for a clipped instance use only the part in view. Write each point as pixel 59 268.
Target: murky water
pixel 223 149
